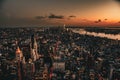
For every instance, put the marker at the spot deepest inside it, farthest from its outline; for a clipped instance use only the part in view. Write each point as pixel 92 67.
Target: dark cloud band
pixel 53 16
pixel 72 16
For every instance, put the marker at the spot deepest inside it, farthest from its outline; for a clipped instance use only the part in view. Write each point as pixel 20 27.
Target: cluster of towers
pixel 33 51
pixel 22 64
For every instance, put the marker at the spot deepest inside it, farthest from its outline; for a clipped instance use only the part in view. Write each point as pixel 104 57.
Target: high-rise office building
pixel 20 59
pixel 19 54
pixel 33 48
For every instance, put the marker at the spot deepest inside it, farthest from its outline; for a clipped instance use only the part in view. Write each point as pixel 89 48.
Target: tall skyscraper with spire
pixel 19 54
pixel 33 48
pixel 20 59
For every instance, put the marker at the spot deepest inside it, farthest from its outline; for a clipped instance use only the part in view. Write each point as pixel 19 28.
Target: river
pixel 103 35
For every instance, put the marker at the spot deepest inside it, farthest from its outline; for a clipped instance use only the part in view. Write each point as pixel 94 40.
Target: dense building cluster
pixel 57 53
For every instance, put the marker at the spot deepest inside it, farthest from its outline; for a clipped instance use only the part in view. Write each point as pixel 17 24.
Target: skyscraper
pixel 20 59
pixel 19 54
pixel 33 48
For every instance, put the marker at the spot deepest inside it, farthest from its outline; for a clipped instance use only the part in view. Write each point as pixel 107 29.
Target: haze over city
pixel 103 13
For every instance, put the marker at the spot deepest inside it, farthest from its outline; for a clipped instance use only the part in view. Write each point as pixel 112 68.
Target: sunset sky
pixel 59 12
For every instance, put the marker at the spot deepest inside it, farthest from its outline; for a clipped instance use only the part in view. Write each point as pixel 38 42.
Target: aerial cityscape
pixel 59 40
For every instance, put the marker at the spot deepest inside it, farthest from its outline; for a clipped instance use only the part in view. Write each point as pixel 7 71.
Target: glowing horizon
pixel 72 12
